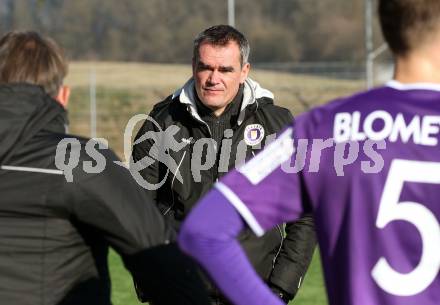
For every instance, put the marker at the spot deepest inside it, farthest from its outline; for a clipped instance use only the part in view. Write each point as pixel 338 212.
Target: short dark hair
pixel 221 35
pixel 28 57
pixel 408 23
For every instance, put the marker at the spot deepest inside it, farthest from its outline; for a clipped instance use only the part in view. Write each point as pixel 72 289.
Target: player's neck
pixel 418 67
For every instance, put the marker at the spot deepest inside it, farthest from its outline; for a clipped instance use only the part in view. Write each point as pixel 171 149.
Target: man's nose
pixel 214 77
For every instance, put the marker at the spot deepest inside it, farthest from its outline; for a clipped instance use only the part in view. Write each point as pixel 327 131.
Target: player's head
pixel 409 24
pixel 28 57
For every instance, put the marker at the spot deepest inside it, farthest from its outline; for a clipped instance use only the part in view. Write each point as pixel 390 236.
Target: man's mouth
pixel 212 90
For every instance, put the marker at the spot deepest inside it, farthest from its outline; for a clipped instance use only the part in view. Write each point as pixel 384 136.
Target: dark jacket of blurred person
pixel 57 222
pixel 196 135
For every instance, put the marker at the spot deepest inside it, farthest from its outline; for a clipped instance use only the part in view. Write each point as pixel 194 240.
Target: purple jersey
pixel 368 167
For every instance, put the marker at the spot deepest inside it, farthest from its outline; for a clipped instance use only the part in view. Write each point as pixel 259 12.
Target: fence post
pixel 369 43
pixel 93 121
pixel 231 12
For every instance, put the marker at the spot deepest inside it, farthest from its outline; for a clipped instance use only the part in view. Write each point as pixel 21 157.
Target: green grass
pixel 311 293
pixel 122 285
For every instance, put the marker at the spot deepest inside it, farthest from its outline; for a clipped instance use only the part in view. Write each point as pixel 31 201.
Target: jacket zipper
pixel 280 247
pixel 172 184
pixel 213 178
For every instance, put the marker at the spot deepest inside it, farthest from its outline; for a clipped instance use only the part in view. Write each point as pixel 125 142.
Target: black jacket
pixel 167 153
pixel 54 234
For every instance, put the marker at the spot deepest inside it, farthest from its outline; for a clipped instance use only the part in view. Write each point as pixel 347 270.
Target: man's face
pixel 218 75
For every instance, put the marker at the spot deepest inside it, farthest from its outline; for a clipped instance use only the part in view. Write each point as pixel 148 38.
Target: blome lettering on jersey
pixel 346 145
pixel 380 125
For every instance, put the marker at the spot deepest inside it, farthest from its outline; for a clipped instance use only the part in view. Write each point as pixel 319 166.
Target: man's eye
pixel 202 68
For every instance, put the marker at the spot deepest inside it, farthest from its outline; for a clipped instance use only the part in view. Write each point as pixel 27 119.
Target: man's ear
pixel 244 72
pixel 63 96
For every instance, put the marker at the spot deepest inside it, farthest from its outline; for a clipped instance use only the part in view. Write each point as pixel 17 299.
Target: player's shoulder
pixel 322 117
pixel 83 148
pixel 353 101
pixel 275 109
pixel 163 104
pixel 161 108
pixel 275 112
pixel 166 112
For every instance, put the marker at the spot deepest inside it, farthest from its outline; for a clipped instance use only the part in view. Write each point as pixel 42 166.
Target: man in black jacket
pixel 216 121
pixel 65 199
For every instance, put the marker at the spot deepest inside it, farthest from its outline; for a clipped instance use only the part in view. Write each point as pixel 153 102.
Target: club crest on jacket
pixel 253 134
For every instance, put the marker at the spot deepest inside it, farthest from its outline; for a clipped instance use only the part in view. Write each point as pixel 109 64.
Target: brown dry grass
pixel 128 75
pixel 292 91
pixel 136 75
pixel 126 89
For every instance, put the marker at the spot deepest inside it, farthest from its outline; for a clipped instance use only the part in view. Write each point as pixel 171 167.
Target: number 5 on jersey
pixel 417 214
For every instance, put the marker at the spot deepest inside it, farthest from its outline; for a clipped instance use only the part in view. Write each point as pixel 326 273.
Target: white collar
pixel 413 86
pixel 251 92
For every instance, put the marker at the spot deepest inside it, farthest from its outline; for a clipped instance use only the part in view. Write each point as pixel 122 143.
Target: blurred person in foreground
pixel 375 195
pixel 64 200
pixel 218 115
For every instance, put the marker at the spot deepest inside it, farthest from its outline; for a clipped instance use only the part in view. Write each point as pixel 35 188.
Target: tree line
pixel 163 30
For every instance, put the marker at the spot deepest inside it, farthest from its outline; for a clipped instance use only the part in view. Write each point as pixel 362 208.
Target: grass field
pixel 126 89
pixel 311 293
